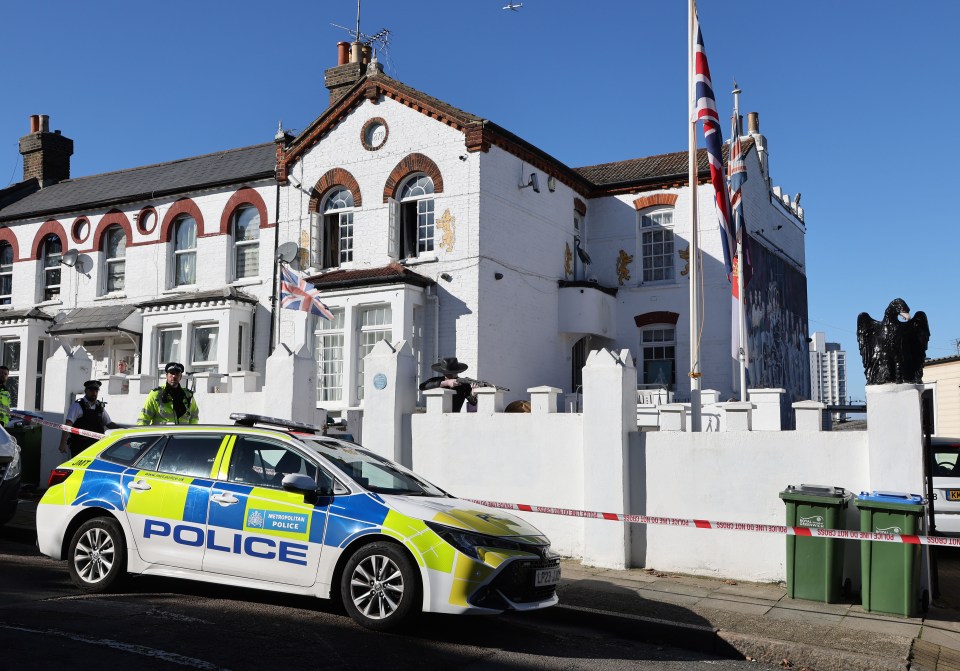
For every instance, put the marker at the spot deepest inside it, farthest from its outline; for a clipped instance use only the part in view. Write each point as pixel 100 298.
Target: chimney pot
pixel 44 123
pixel 356 52
pixel 753 123
pixel 34 123
pixel 367 53
pixel 343 53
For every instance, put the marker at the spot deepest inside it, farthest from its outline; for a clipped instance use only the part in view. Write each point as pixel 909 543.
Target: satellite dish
pixel 69 258
pixel 59 317
pixel 288 251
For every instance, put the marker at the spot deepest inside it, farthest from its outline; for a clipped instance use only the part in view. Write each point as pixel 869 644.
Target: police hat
pixel 173 367
pixel 92 384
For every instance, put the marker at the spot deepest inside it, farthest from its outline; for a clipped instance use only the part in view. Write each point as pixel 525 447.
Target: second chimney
pixel 46 155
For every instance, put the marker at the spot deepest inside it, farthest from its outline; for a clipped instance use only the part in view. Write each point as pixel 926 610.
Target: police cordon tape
pixel 33 419
pixel 815 532
pixel 783 530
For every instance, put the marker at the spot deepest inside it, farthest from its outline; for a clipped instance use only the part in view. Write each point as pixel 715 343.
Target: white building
pixel 828 371
pixel 417 221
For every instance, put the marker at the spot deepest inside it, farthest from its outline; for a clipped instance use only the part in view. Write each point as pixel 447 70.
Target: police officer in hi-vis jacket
pixel 170 403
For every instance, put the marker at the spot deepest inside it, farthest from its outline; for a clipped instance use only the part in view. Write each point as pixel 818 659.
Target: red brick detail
pixel 111 218
pixel 330 179
pixel 7 236
pixel 366 128
pixel 476 139
pixel 182 206
pixel 244 196
pixel 410 164
pixel 580 207
pixel 655 200
pixel 75 226
pixel 648 318
pixel 142 215
pixel 52 226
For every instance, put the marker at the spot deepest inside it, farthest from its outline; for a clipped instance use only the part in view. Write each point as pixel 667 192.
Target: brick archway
pixel 50 227
pixel 182 206
pixel 663 317
pixel 111 218
pixel 7 236
pixel 332 178
pixel 410 164
pixel 655 200
pixel 244 196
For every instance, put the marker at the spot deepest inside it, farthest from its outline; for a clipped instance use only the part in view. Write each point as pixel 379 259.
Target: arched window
pixel 6 273
pixel 185 251
pixel 114 259
pixel 335 239
pixel 416 216
pixel 656 246
pixel 51 252
pixel 246 242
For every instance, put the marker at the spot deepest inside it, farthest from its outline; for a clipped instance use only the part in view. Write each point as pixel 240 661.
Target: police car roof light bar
pixel 248 419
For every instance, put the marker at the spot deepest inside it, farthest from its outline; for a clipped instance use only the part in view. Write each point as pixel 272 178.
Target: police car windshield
pixel 373 472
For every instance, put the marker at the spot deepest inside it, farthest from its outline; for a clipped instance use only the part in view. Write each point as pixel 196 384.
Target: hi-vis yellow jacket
pixel 158 408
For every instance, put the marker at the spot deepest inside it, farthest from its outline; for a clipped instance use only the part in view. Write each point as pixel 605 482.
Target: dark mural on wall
pixel 776 317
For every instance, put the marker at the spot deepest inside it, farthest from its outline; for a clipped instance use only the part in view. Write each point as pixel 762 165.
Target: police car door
pixel 167 496
pixel 256 528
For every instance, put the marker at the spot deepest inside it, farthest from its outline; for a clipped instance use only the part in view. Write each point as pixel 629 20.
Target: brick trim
pixel 407 166
pixel 51 226
pixel 75 225
pixel 111 218
pixel 580 207
pixel 330 179
pixel 182 206
pixel 366 127
pixel 7 236
pixel 663 317
pixel 140 216
pixel 243 196
pixel 655 200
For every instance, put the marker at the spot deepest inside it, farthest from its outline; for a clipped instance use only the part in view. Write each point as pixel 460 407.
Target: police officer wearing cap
pixel 170 403
pixel 88 413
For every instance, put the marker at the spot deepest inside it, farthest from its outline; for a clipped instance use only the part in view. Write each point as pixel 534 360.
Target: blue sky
pixel 854 98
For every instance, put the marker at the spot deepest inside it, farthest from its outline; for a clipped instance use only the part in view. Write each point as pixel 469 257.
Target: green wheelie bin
pixel 891 571
pixel 815 565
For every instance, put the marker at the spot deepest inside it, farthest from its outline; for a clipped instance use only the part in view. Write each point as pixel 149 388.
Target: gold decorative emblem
pixel 623 272
pixel 304 249
pixel 445 224
pixel 567 260
pixel 685 255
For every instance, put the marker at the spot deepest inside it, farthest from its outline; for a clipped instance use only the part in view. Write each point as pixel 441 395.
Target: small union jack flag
pixel 706 110
pixel 296 294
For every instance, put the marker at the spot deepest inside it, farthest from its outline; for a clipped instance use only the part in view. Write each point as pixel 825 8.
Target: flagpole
pixel 739 232
pixel 695 411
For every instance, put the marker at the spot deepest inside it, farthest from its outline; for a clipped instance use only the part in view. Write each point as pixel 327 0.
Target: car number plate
pixel 546 576
pixel 953 495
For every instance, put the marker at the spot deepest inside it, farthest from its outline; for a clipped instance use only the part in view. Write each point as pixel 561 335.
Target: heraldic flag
pixel 297 294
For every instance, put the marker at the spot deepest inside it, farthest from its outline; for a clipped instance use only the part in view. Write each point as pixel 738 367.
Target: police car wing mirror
pixel 298 482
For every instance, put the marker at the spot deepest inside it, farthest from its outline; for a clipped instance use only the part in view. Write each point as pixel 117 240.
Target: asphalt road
pixel 158 623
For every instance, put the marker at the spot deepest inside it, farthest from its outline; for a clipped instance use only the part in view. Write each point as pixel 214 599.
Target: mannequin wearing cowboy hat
pixel 449 368
pixel 89 413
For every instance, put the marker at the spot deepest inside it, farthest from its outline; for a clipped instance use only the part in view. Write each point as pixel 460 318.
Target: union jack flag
pixel 296 294
pixel 737 175
pixel 706 110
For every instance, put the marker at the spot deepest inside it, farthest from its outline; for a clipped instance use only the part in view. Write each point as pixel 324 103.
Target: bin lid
pixel 901 498
pixel 815 493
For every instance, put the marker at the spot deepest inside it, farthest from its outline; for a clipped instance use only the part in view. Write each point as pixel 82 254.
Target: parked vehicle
pixel 286 508
pixel 945 471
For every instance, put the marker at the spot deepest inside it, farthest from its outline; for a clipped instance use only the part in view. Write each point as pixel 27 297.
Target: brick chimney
pixel 353 62
pixel 46 155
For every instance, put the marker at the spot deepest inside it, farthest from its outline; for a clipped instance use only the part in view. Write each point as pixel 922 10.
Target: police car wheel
pixel 379 586
pixel 97 557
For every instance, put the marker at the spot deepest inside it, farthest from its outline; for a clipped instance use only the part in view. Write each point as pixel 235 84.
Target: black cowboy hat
pixel 449 366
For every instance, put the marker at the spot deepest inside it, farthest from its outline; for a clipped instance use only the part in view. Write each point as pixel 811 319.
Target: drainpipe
pixel 273 290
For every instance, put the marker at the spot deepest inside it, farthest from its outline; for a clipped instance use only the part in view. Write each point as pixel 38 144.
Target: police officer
pixel 4 396
pixel 171 403
pixel 89 413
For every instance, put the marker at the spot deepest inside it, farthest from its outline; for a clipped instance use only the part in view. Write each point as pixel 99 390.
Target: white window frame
pixel 161 360
pixel 417 191
pixel 111 262
pixel 329 347
pixel 186 251
pixel 6 273
pixel 661 337
pixel 211 365
pixel 50 265
pixel 13 382
pixel 656 242
pixel 368 335
pixel 337 209
pixel 244 245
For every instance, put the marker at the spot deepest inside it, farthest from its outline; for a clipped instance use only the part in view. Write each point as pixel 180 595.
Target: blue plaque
pixel 380 381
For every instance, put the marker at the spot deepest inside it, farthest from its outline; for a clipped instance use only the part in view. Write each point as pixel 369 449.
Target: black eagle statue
pixel 893 350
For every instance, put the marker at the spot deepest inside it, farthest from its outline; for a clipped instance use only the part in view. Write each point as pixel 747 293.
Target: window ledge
pixel 43 304
pixel 247 282
pixel 181 289
pixel 418 260
pixel 110 297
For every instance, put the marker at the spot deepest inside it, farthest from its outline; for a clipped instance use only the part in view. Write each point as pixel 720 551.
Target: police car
pixel 276 505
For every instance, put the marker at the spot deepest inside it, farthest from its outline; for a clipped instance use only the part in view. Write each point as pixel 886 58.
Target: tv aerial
pixel 379 41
